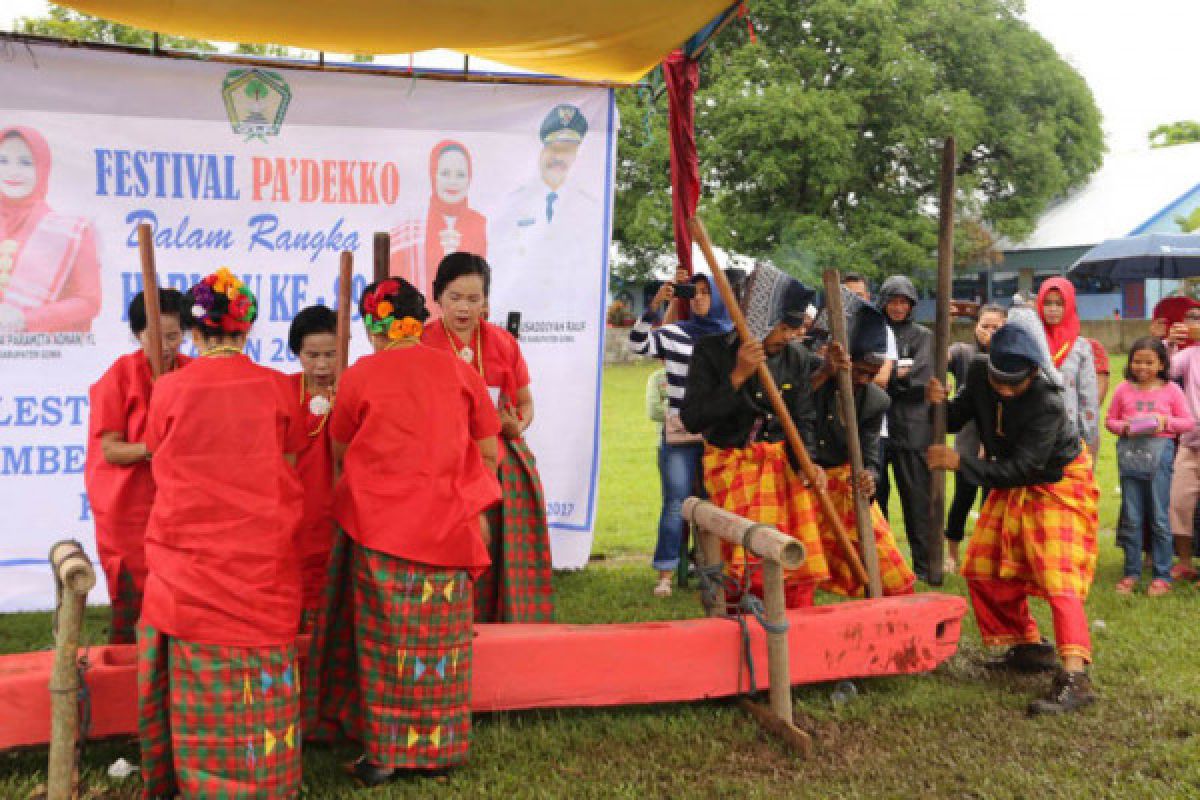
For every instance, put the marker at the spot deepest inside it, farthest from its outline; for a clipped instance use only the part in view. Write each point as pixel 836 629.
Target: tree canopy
pixel 820 144
pixel 1185 131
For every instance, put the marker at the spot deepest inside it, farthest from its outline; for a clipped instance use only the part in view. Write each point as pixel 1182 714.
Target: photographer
pixel 679 452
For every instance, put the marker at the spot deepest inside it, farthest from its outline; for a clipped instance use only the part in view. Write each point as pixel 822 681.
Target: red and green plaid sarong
pixel 391 659
pixel 518 586
pixel 125 599
pixel 894 574
pixel 217 722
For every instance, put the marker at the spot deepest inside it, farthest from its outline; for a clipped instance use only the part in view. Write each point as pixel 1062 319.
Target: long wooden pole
pixel 809 470
pixel 150 295
pixel 74 578
pixel 345 308
pixel 941 357
pixel 862 505
pixel 382 254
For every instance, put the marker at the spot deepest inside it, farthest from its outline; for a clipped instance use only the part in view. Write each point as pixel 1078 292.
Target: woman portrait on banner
pixel 448 225
pixel 49 272
pixel 518 586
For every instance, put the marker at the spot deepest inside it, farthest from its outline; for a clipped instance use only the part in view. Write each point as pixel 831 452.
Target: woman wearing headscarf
pixel 49 273
pixel 679 452
pixel 1073 357
pixel 449 224
pixel 518 587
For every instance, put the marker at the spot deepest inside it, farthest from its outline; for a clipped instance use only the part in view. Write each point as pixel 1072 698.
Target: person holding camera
pixel 679 452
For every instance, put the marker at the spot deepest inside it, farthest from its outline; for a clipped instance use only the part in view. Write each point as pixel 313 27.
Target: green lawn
pixel 955 733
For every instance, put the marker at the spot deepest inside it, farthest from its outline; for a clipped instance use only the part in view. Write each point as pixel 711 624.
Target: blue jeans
pixel 678 468
pixel 1143 500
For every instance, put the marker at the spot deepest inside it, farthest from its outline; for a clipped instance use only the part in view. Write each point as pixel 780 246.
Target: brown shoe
pixel 1027 658
pixel 1070 691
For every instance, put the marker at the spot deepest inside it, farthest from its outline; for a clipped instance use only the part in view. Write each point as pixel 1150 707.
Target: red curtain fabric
pixel 682 76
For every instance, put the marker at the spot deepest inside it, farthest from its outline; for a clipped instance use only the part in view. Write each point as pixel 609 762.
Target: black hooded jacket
pixel 908 418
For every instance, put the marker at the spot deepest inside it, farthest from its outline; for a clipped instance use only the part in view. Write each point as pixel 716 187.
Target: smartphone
pixel 685 291
pixel 513 326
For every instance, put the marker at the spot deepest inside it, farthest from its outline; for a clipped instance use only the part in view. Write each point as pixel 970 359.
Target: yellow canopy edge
pixel 614 40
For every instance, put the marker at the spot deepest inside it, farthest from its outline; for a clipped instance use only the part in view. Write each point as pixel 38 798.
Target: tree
pixel 63 23
pixel 1169 134
pixel 820 144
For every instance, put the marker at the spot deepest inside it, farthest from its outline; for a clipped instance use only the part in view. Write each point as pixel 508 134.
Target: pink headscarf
pixel 18 217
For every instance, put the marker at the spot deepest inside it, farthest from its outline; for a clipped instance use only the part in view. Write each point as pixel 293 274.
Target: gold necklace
pixel 392 345
pixel 325 416
pixel 466 353
pixel 225 349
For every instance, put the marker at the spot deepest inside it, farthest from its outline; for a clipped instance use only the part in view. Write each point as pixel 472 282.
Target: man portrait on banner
pixel 547 218
pixel 49 271
pixel 448 225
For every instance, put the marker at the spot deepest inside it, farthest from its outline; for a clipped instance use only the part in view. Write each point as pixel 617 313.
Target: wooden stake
pixel 74 578
pixel 345 309
pixel 862 505
pixel 382 253
pixel 779 668
pixel 941 357
pixel 708 550
pixel 792 736
pixel 807 468
pixel 150 294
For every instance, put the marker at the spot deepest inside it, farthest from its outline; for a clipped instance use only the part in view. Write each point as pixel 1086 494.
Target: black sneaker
pixel 1026 658
pixel 1070 691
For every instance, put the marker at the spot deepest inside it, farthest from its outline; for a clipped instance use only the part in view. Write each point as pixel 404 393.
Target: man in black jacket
pixel 909 428
pixel 749 470
pixel 1037 532
pixel 868 348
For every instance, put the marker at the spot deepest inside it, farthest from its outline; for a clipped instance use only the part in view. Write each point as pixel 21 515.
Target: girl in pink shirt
pixel 1148 412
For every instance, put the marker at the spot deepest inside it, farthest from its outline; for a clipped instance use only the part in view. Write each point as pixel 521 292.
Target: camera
pixel 685 291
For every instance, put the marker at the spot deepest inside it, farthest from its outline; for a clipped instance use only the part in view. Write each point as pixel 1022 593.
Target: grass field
pixel 956 733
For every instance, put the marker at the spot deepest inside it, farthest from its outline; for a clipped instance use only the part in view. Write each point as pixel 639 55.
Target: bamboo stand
pixel 345 303
pixel 778 552
pixel 862 505
pixel 941 358
pixel 807 468
pixel 74 578
pixel 150 294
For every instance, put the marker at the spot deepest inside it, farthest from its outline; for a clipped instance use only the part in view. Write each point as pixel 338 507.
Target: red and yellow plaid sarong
pixel 758 483
pixel 1042 536
pixel 894 573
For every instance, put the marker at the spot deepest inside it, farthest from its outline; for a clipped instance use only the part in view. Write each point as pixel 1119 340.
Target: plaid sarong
pixel 1042 536
pixel 391 659
pixel 758 483
pixel 894 573
pixel 518 586
pixel 217 722
pixel 125 599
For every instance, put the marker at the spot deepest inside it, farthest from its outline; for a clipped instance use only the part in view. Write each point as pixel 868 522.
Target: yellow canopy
pixel 611 40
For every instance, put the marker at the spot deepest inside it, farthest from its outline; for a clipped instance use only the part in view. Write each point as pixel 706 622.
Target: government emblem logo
pixel 256 101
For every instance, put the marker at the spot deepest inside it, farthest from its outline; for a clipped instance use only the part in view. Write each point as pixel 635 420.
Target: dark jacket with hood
pixel 908 418
pixel 871 404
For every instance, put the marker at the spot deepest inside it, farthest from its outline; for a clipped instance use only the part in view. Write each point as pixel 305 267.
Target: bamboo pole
pixel 708 550
pixel 779 668
pixel 345 309
pixel 150 295
pixel 809 470
pixel 941 357
pixel 382 255
pixel 862 505
pixel 762 541
pixel 74 578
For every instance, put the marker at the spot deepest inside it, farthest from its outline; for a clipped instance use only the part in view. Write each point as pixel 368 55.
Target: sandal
pixel 1126 585
pixel 663 588
pixel 1158 587
pixel 1179 572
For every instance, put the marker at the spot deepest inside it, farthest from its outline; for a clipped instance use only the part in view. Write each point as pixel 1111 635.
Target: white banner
pixel 272 172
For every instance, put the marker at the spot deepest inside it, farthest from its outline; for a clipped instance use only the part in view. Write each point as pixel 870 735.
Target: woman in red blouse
pixel 117 474
pixel 518 587
pixel 414 431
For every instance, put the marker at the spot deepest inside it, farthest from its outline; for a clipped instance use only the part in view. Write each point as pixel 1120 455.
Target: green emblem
pixel 256 101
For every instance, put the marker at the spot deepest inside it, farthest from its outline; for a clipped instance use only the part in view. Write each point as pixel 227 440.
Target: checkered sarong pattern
pixel 1042 537
pixel 894 573
pixel 217 722
pixel 391 659
pixel 125 605
pixel 518 587
pixel 758 483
